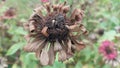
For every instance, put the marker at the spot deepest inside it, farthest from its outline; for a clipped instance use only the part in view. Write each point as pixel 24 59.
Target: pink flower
pixel 108 50
pixel 45 0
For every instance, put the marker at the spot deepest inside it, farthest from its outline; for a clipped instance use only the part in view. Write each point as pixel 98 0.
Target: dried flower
pixel 54 33
pixel 110 53
pixel 10 13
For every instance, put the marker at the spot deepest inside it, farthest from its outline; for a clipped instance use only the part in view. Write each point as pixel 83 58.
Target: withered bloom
pixel 54 33
pixel 10 13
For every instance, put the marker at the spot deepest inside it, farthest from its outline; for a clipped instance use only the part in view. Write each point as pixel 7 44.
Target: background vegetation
pixel 102 20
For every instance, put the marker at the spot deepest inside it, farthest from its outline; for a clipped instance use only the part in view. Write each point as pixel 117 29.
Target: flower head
pixel 10 13
pixel 109 52
pixel 107 49
pixel 54 33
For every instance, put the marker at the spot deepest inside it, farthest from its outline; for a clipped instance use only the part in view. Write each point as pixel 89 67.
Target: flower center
pixel 56 28
pixel 108 50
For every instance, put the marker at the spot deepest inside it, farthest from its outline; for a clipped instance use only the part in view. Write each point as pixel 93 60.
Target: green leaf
pixel 110 35
pixel 14 48
pixel 59 65
pixel 20 31
pixel 78 65
pixel 106 66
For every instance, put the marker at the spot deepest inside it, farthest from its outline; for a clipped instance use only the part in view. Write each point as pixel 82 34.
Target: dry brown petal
pixel 77 15
pixel 31 26
pixel 55 7
pixel 44 58
pixel 65 9
pixel 83 29
pixel 51 54
pixel 47 6
pixel 33 46
pixel 72 27
pixel 69 46
pixel 38 51
pixel 80 47
pixel 44 31
pixel 57 46
pixel 38 11
pixel 62 55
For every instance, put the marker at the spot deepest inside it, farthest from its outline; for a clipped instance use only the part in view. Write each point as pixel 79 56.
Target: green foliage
pixel 103 14
pixel 14 48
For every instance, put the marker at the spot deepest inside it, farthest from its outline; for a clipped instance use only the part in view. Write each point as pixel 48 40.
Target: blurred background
pixel 102 20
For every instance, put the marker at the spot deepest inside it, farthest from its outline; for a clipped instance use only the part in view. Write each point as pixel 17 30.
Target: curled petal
pixel 65 9
pixel 72 27
pixel 47 6
pixel 55 7
pixel 38 11
pixel 31 26
pixel 83 29
pixel 77 15
pixel 44 31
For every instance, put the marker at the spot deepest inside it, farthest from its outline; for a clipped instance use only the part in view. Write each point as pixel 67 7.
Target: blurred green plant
pixel 98 14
